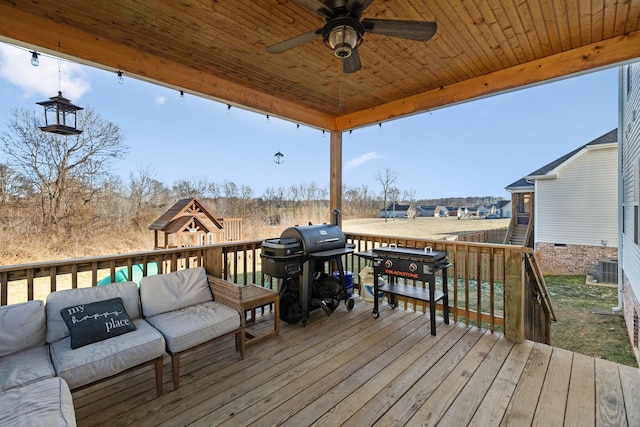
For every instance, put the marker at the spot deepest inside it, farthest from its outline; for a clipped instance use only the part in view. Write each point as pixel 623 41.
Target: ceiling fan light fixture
pixel 342 35
pixel 342 40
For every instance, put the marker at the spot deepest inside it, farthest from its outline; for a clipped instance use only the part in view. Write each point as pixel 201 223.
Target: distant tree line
pixel 62 186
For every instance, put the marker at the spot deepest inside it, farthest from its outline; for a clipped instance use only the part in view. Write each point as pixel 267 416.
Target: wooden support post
pixel 335 180
pixel 513 296
pixel 212 261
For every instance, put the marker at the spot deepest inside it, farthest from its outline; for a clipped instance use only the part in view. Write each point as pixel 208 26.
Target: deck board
pixel 581 396
pixel 495 402
pixel 433 408
pixel 468 400
pixel 610 405
pixel 350 369
pixel 553 397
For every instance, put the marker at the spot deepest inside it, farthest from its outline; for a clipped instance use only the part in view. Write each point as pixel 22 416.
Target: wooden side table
pixel 253 297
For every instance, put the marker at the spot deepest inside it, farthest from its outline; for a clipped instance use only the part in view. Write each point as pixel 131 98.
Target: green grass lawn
pixel 585 322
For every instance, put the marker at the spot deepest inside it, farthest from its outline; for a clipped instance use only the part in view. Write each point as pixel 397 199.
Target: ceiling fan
pixel 344 30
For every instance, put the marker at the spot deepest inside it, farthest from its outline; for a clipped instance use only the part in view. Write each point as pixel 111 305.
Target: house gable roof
pixel 610 137
pixel 525 183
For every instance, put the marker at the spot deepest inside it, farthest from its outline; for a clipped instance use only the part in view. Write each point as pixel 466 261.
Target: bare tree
pixel 62 169
pixel 11 185
pixel 144 192
pixel 409 195
pixel 247 195
pixel 386 179
pixel 197 188
pixel 394 195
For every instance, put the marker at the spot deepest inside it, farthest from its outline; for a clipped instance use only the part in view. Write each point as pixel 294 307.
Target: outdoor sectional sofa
pixel 47 351
pixel 30 392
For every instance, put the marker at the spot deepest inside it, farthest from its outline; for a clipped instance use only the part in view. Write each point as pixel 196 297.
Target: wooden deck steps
pixel 519 235
pixel 350 369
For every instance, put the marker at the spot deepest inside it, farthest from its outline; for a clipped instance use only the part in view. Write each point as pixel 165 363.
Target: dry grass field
pixel 425 228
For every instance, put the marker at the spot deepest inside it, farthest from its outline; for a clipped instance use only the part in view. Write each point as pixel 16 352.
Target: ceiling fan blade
pixel 283 46
pixel 356 7
pixel 316 6
pixel 352 63
pixel 411 30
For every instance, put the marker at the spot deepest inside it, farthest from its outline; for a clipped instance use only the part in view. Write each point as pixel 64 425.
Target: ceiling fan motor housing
pixel 342 35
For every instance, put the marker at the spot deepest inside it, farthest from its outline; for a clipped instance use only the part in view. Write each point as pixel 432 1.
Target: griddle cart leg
pixel 432 303
pixel 375 314
pixel 445 291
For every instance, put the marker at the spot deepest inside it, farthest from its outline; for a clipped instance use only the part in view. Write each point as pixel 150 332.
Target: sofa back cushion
pixel 22 326
pixel 173 291
pixel 56 301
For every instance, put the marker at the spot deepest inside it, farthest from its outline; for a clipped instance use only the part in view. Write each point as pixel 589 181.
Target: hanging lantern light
pixel 278 158
pixel 60 116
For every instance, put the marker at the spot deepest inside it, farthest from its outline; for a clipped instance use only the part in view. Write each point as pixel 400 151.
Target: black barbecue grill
pixel 299 250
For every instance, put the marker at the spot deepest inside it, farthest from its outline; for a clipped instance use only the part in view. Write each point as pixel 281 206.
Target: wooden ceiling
pixel 217 49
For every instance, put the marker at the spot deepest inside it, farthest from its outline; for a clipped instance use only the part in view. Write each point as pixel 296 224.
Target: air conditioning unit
pixel 608 270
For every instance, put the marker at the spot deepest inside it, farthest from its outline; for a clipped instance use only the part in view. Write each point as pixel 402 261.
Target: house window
pixel 635 224
pixel 628 80
pixel 636 334
pixel 636 179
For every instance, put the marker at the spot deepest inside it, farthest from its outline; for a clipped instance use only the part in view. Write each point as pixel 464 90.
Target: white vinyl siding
pixel 630 158
pixel 580 206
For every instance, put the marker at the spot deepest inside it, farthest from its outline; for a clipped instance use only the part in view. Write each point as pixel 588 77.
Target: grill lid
pixel 317 238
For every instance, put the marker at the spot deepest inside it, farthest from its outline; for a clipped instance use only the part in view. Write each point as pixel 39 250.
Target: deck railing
pixel 486 281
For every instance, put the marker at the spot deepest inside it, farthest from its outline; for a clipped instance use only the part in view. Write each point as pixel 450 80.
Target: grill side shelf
pixel 410 291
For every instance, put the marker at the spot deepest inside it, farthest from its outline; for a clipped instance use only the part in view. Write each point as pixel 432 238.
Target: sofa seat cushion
pixel 190 326
pixel 23 326
pixel 45 403
pixel 173 291
pixel 102 359
pixel 25 367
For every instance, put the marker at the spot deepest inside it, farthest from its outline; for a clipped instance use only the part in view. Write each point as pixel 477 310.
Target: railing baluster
pixel 479 288
pixel 467 270
pixel 74 276
pixel 30 284
pixel 4 288
pixel 53 276
pixel 492 299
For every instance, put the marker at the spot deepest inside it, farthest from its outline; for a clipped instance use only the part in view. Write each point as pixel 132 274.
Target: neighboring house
pixel 426 210
pixel 441 211
pixel 395 210
pixel 483 211
pixel 471 211
pixel 571 205
pixel 502 208
pixel 629 202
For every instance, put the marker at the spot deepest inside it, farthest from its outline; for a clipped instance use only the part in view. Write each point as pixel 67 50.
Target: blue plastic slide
pixel 121 274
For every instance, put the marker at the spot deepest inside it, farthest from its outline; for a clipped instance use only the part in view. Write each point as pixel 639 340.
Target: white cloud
pixel 159 100
pixel 44 80
pixel 364 158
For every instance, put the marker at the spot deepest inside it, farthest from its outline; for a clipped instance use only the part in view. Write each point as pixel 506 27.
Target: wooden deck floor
pixel 349 369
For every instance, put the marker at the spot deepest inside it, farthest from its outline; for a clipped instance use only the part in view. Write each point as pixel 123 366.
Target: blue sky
pixel 471 149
